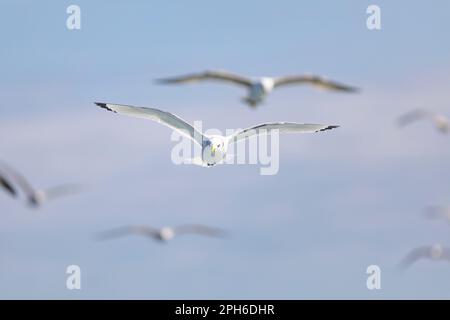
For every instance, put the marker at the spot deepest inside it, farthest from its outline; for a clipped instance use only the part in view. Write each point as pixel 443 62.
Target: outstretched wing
pixel 208 75
pixel 446 254
pixel 166 118
pixel 18 179
pixel 413 116
pixel 413 256
pixel 62 190
pixel 315 81
pixel 436 212
pixel 283 127
pixel 200 229
pixel 126 231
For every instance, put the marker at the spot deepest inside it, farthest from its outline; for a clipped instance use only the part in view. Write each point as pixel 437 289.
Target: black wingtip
pixel 350 88
pixel 100 104
pixel 164 81
pixel 104 106
pixel 347 88
pixel 328 128
pixel 354 90
pixel 8 187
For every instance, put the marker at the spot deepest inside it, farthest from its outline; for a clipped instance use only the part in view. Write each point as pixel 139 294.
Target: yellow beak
pixel 213 150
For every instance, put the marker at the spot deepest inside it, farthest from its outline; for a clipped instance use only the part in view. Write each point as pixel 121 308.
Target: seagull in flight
pixel 12 181
pixel 441 122
pixel 162 234
pixel 213 147
pixel 435 252
pixel 259 88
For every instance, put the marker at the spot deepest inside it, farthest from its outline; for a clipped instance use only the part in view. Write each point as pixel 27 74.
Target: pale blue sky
pixel 342 200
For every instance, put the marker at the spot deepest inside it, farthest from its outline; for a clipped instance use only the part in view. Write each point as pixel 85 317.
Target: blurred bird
pixel 214 147
pixel 434 252
pixel 259 88
pixel 10 180
pixel 437 213
pixel 163 234
pixel 441 122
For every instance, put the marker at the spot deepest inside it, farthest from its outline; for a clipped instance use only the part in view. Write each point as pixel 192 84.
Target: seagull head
pixel 267 83
pixel 442 123
pixel 258 91
pixel 166 233
pixel 436 251
pixel 37 199
pixel 217 146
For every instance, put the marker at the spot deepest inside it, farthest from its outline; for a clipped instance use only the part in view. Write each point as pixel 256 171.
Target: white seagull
pixel 11 179
pixel 162 234
pixel 435 252
pixel 259 88
pixel 214 147
pixel 441 122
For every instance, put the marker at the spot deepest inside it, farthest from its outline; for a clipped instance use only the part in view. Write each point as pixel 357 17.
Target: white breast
pixel 166 233
pixel 268 84
pixel 215 152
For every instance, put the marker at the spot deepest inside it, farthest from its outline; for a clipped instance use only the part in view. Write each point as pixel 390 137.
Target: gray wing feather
pixel 435 212
pixel 127 231
pixel 413 116
pixel 413 256
pixel 62 190
pixel 283 127
pixel 165 118
pixel 315 81
pixel 200 229
pixel 208 75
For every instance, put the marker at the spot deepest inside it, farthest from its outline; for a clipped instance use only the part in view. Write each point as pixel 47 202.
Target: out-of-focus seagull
pixel 163 234
pixel 214 147
pixel 441 122
pixel 434 252
pixel 12 181
pixel 437 213
pixel 259 88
